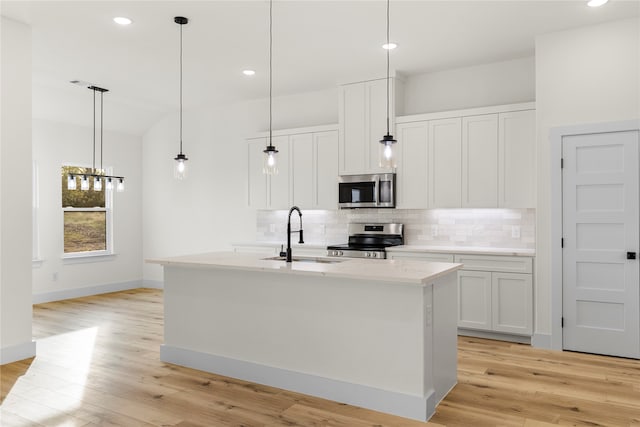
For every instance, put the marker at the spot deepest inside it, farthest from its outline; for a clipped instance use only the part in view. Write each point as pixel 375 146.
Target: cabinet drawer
pixel 505 264
pixel 421 256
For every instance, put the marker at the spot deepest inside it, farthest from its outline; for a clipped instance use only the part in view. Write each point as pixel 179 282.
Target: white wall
pixel 54 145
pixel 505 82
pixel 15 193
pixel 585 75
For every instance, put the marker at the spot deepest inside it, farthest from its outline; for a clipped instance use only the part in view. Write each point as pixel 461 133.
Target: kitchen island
pixel 380 334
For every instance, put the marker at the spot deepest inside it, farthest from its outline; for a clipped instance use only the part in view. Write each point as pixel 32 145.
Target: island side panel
pixel 445 335
pixel 367 333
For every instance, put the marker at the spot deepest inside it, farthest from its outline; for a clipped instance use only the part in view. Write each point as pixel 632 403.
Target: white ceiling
pixel 316 45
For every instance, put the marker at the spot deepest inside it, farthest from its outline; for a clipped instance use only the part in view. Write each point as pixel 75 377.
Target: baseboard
pixel 85 291
pixel 521 339
pixel 541 341
pixel 18 352
pixel 404 405
pixel 153 284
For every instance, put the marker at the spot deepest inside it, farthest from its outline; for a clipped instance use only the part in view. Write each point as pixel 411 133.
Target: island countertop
pixel 400 271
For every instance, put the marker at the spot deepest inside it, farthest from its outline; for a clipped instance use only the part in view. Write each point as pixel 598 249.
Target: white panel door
pixel 326 154
pixel 279 183
pixel 302 169
pixel 480 161
pixel 600 227
pixel 256 178
pixel 474 299
pixel 512 303
pixel 445 153
pixel 353 115
pixel 517 154
pixel 412 158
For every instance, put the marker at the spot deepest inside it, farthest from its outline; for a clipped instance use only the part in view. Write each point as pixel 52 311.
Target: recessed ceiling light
pixel 389 46
pixel 596 3
pixel 122 20
pixel 248 72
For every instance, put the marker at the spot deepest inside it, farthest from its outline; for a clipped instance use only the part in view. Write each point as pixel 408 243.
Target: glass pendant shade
pixel 270 166
pixel 120 186
pixel 387 158
pixel 109 184
pixel 180 167
pixel 97 183
pixel 71 182
pixel 84 183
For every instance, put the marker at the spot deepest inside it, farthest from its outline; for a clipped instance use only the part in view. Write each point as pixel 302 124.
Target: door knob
pixel 631 255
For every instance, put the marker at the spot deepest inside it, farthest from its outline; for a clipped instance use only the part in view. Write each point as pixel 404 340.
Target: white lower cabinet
pixel 492 297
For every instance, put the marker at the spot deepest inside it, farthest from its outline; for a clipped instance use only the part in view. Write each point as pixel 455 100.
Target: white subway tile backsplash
pixel 437 227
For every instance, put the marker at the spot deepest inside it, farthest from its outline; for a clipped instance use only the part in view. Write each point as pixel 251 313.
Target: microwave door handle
pixel 376 192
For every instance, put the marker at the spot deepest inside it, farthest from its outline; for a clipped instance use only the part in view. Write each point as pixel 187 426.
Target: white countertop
pixel 409 272
pixel 464 250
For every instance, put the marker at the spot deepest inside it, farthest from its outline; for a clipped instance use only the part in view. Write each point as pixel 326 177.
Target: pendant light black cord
pixel 270 72
pixel 93 169
pixel 181 88
pixel 101 127
pixel 388 52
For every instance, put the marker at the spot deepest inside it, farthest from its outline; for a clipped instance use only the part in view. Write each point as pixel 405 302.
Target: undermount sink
pixel 306 259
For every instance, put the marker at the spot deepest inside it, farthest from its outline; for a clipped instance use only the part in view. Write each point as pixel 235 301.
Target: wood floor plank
pixel 98 365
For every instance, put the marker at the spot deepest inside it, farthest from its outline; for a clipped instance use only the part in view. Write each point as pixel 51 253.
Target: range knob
pixel 367 254
pixel 339 253
pixel 374 254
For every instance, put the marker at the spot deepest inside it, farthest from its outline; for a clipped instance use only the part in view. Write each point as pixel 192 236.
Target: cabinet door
pixel 279 183
pixel 412 159
pixel 257 179
pixel 445 153
pixel 377 120
pixel 302 170
pixel 516 167
pixel 512 301
pixel 480 161
pixel 326 155
pixel 474 300
pixel 353 122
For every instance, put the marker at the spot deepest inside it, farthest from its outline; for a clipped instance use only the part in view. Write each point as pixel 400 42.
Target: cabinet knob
pixel 631 255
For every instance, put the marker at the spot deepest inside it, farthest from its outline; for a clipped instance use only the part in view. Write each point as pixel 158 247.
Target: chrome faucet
pixel 288 253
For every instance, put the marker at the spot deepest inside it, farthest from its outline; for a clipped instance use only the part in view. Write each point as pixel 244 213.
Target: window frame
pixel 108 209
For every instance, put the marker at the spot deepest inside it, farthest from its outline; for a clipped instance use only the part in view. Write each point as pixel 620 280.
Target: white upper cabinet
pixel 517 172
pixel 363 122
pixel 412 156
pixel 480 161
pixel 445 163
pixel 307 170
pixel 479 158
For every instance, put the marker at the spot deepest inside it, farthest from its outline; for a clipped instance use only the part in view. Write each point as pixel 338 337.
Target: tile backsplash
pixel 499 228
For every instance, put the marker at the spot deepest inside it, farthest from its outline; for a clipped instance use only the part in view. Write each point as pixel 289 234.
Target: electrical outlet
pixel 515 231
pixel 434 230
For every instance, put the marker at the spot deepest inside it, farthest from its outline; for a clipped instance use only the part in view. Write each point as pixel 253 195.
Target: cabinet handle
pixel 631 255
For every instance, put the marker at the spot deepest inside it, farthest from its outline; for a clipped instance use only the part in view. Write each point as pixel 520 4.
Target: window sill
pixel 86 258
pixel 37 263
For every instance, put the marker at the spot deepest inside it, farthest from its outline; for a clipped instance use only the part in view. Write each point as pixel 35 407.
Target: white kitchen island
pixel 379 334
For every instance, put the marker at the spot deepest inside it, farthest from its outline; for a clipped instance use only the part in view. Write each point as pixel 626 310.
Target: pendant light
pixel 387 159
pixel 270 166
pixel 97 175
pixel 180 168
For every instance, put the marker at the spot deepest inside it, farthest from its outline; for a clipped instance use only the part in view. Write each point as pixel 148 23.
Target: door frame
pixel 556 136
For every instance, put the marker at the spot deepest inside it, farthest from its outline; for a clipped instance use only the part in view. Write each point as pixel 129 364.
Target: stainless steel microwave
pixel 367 191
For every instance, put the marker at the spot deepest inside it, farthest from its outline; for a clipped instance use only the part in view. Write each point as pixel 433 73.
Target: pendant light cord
pixel 181 25
pixel 101 127
pixel 93 168
pixel 270 72
pixel 388 52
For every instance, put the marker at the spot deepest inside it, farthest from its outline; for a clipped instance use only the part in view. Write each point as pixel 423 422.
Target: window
pixel 87 216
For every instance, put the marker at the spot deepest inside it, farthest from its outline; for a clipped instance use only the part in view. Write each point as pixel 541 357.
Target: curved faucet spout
pixel 294 208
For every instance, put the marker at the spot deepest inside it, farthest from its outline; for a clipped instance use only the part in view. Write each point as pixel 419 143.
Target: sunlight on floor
pixel 47 397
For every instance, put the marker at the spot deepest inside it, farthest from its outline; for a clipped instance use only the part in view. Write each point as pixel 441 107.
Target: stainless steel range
pixel 369 241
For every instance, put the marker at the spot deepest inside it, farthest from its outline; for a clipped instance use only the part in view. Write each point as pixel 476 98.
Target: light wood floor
pixel 98 365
